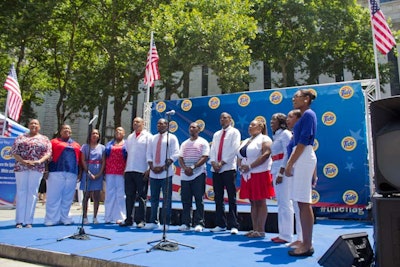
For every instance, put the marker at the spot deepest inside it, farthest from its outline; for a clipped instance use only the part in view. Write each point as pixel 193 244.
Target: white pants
pixel 60 195
pixel 285 208
pixel 114 203
pixel 27 189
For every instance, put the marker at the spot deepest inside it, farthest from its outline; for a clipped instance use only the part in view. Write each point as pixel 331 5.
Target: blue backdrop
pixel 343 189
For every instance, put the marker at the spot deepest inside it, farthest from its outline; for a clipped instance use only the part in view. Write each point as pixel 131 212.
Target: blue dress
pixel 94 159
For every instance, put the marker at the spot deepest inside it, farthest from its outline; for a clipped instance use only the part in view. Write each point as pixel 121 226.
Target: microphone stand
pixel 81 234
pixel 164 243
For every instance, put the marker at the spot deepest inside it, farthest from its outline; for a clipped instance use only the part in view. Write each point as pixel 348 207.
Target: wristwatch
pixel 192 167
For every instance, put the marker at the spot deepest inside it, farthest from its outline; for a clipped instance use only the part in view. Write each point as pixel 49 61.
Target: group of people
pixel 283 165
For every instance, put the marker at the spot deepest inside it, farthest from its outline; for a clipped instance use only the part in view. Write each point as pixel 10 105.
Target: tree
pixel 312 38
pixel 212 33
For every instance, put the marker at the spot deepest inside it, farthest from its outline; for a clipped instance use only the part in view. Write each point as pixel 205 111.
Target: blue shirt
pixel 305 129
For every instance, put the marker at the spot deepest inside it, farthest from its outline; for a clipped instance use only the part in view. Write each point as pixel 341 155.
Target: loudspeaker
pixel 387 231
pixel 347 251
pixel 385 126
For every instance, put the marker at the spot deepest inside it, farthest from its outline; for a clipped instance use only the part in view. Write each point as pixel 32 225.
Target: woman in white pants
pixel 31 152
pixel 116 154
pixel 282 185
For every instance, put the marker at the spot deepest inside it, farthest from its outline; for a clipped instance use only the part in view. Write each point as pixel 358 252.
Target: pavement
pixel 7 214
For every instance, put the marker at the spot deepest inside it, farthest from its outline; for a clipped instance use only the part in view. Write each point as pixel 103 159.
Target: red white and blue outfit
pixel 114 203
pixel 61 183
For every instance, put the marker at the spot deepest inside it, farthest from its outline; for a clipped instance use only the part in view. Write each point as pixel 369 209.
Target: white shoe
pixel 234 231
pixel 199 228
pixel 95 221
pixel 183 228
pixel 85 221
pixel 218 229
pixel 150 226
pixel 140 225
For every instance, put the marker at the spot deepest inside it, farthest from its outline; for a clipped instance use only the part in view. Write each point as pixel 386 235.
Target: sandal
pixel 248 234
pixel 257 234
pixel 18 225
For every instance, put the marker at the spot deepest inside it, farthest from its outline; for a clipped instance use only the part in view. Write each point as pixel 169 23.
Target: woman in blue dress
pixel 93 163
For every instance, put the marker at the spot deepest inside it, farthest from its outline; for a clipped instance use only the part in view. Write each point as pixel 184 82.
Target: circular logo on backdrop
pixel 346 92
pixel 315 145
pixel 276 97
pixel 350 197
pixel 349 143
pixel 186 105
pixel 330 170
pixel 161 106
pixel 214 102
pixel 173 126
pixel 244 100
pixel 201 124
pixel 329 118
pixel 6 153
pixel 314 196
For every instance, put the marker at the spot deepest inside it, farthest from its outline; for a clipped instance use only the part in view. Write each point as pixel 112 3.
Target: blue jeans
pixel 189 189
pixel 220 181
pixel 155 188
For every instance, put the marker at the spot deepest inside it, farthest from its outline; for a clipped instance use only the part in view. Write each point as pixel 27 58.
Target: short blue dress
pixel 94 159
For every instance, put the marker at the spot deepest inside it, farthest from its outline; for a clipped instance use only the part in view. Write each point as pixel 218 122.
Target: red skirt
pixel 258 187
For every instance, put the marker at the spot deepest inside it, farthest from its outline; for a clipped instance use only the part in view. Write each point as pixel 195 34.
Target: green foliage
pixel 88 51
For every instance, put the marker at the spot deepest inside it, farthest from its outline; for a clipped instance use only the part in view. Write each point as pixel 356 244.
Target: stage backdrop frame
pixel 343 189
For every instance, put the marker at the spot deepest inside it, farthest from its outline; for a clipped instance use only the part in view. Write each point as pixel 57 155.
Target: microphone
pixel 171 112
pixel 92 120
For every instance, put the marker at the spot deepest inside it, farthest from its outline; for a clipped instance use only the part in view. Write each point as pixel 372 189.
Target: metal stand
pixel 164 243
pixel 81 235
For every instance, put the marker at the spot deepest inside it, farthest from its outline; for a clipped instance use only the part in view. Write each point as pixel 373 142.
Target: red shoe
pixel 278 240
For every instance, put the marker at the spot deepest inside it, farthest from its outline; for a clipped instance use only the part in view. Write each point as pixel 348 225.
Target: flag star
pixel 349 166
pixel 356 135
pixel 242 121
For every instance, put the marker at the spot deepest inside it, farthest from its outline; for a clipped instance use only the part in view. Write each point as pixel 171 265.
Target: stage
pixel 128 245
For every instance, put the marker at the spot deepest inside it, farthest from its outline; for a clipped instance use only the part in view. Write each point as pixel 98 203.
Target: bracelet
pixel 279 175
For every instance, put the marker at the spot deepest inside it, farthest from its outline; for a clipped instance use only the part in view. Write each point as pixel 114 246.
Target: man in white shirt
pixel 161 171
pixel 136 173
pixel 225 145
pixel 193 156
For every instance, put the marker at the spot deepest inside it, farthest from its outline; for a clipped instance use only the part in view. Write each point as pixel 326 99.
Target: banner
pixel 7 177
pixel 343 189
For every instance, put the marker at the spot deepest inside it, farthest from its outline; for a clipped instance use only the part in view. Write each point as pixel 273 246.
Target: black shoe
pixel 307 253
pixel 124 224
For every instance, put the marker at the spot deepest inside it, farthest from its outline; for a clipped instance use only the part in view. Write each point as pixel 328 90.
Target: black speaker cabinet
pixel 347 251
pixel 385 126
pixel 387 231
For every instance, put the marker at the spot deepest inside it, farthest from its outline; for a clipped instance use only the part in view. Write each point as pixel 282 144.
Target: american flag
pixel 152 73
pixel 14 99
pixel 384 39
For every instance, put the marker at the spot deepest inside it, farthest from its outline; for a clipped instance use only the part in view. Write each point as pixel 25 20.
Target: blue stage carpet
pixel 129 245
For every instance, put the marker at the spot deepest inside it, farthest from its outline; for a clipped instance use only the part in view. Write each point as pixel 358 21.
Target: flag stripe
pixel 384 39
pixel 152 72
pixel 14 99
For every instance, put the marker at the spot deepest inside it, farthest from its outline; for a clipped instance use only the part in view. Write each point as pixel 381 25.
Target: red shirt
pixel 115 162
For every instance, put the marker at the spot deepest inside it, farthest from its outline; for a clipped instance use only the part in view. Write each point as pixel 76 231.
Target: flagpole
pixel 148 85
pixel 5 115
pixel 146 104
pixel 377 79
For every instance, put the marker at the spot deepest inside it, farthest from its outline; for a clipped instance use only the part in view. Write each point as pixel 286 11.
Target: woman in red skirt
pixel 254 163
